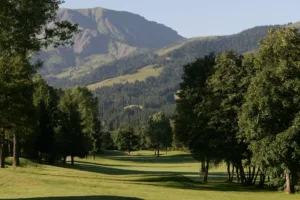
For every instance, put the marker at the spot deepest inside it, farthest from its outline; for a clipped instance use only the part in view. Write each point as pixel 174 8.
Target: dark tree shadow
pixel 80 198
pixel 188 184
pixel 103 169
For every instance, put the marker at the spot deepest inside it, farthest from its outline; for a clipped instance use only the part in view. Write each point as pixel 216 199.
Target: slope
pixel 105 36
pixel 154 93
pixel 157 93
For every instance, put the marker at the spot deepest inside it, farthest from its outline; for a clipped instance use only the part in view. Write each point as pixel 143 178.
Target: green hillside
pixel 157 93
pixel 125 82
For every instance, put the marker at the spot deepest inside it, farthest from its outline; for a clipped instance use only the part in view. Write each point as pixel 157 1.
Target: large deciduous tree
pixel 127 139
pixel 193 113
pixel 159 131
pixel 270 116
pixel 228 84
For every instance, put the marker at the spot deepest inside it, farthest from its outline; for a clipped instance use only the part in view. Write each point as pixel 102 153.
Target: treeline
pixel 43 123
pixel 157 134
pixel 46 123
pixel 244 110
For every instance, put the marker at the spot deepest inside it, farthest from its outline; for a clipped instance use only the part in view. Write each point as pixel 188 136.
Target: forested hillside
pixel 134 102
pixel 105 36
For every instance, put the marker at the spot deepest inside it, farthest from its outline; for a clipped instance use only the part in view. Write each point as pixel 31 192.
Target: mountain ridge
pixel 105 36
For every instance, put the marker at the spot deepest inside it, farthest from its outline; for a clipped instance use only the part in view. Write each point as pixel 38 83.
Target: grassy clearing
pixel 115 175
pixel 141 75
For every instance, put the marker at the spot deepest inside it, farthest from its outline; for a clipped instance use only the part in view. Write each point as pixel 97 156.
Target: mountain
pixel 105 36
pixel 133 87
pixel 182 52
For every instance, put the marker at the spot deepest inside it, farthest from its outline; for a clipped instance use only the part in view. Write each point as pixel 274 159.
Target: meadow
pixel 141 75
pixel 116 175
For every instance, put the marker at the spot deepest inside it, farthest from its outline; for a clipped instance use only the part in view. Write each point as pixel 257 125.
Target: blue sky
pixel 204 17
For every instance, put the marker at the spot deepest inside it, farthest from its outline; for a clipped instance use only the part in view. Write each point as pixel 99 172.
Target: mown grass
pixel 116 175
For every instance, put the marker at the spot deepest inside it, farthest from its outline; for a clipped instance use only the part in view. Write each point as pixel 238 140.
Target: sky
pixel 192 18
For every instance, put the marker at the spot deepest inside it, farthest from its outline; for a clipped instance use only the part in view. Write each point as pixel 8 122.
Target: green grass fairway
pixel 126 177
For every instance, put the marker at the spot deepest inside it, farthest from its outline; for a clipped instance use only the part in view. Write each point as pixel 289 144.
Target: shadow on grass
pixel 181 182
pixel 102 169
pixel 80 198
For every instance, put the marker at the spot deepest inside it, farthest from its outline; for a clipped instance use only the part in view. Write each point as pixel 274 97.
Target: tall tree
pixel 193 113
pixel 270 116
pixel 79 127
pixel 26 27
pixel 45 99
pixel 71 139
pixel 228 84
pixel 15 98
pixel 160 131
pixel 127 139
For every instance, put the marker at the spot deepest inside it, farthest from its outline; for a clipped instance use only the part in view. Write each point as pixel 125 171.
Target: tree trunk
pixel 288 182
pixel 229 172
pixel 237 174
pixel 10 151
pixel 242 172
pixel 202 169
pixel 1 149
pixel 16 159
pixel 232 172
pixel 94 156
pixel 205 177
pixel 291 178
pixel 262 180
pixel 158 152
pixel 72 160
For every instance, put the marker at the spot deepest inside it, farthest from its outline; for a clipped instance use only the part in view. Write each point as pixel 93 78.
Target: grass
pixel 141 75
pixel 116 175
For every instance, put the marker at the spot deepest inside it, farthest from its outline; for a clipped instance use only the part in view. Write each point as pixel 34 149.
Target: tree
pixel 27 27
pixel 15 99
pixel 30 25
pixel 269 120
pixel 45 99
pixel 144 140
pixel 126 139
pixel 228 84
pixel 194 109
pixel 88 108
pixel 159 131
pixel 78 127
pixel 71 139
